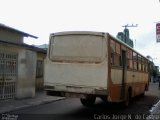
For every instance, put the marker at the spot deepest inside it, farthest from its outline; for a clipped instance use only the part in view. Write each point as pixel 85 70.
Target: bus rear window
pixel 77 48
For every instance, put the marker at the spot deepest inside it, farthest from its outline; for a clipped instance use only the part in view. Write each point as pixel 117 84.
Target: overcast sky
pixel 42 17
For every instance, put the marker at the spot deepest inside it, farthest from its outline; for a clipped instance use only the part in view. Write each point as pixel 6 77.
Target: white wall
pixel 26 74
pixel 26 71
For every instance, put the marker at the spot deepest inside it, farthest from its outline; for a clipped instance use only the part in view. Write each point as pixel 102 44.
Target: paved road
pixel 72 108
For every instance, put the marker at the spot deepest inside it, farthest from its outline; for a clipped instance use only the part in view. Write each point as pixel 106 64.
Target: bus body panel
pixel 77 63
pixel 71 76
pixel 80 63
pixel 132 77
pixel 136 80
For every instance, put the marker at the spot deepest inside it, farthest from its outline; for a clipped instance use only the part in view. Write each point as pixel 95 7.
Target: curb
pixel 31 104
pixel 156 108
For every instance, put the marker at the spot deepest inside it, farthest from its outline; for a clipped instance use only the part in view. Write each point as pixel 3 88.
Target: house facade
pixel 18 64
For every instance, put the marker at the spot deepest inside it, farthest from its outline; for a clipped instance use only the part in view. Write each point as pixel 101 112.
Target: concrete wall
pixel 40 80
pixel 9 36
pixel 26 70
pixel 26 74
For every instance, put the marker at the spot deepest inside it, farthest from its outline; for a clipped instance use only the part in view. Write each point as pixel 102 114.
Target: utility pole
pixel 136 25
pixel 125 30
pixel 124 36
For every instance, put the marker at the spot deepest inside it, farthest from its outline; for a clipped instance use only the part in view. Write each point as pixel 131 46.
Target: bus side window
pixel 135 61
pixel 139 62
pixel 118 54
pixel 124 48
pixel 112 49
pixel 129 59
pixel 144 64
pixel 112 58
pixel 115 53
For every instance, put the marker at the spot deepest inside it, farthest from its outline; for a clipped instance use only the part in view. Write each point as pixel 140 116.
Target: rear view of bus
pixel 76 66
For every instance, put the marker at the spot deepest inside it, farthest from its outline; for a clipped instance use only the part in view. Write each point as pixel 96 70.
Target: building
pixel 124 37
pixel 19 64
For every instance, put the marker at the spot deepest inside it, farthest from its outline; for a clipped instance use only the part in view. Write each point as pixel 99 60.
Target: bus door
pixel 124 73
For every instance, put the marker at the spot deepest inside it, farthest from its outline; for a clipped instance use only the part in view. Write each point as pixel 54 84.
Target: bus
pixel 87 64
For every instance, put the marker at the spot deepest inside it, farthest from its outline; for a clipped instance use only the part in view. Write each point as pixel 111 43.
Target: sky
pixel 43 17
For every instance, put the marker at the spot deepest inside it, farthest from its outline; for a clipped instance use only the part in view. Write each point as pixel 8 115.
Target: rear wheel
pixel 104 99
pixel 146 88
pixel 89 101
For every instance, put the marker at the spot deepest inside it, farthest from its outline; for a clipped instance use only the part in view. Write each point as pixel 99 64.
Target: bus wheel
pixel 89 101
pixel 142 94
pixel 128 99
pixel 104 99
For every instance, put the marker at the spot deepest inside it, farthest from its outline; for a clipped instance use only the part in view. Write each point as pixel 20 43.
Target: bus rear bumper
pixel 72 91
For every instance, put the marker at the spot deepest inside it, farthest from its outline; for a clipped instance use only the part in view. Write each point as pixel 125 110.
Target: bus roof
pixel 93 33
pixel 78 33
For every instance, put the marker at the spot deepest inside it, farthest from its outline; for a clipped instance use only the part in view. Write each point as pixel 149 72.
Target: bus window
pixel 123 48
pixel 112 44
pixel 143 67
pixel 117 55
pixel 129 59
pixel 118 49
pixel 143 64
pixel 146 65
pixel 139 62
pixel 135 64
pixel 112 58
pixel 117 59
pixel 77 48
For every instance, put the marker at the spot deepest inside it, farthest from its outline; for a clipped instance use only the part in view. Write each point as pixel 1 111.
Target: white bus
pixel 94 64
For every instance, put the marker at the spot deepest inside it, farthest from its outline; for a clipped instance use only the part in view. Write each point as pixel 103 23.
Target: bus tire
pixel 89 101
pixel 104 99
pixel 146 88
pixel 142 94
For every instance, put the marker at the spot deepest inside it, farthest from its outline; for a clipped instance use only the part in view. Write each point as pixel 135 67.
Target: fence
pixel 8 75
